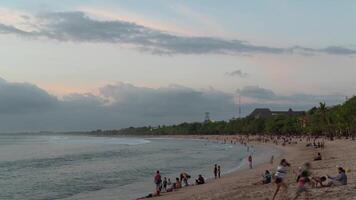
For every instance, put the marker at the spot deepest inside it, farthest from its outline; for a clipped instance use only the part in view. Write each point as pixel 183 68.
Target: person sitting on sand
pixel 177 184
pixel 315 181
pixel 200 180
pixel 282 171
pixel 318 157
pixel 267 178
pixel 340 179
pixel 150 195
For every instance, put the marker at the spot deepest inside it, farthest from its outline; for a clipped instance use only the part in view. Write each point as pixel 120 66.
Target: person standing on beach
pixel 158 182
pixel 169 183
pixel 250 161
pixel 215 170
pixel 281 173
pixel 272 158
pixel 165 184
pixel 219 171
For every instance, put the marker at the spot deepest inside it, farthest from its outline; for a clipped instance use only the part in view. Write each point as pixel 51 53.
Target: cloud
pixel 257 93
pixel 238 73
pixel 22 98
pixel 262 95
pixel 25 107
pixel 339 50
pixel 6 29
pixel 174 101
pixel 78 27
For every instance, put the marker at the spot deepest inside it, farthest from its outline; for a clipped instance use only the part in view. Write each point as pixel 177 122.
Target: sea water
pixel 46 167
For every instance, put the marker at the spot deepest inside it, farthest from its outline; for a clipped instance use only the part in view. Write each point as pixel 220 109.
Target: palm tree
pixel 324 119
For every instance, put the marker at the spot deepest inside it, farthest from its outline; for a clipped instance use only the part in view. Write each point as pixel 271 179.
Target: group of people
pixel 165 185
pixel 304 177
pixel 217 171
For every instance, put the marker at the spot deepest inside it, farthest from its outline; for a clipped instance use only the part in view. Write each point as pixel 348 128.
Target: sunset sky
pixel 89 64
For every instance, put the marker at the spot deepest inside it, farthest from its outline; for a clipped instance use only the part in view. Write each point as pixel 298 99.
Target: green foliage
pixel 338 120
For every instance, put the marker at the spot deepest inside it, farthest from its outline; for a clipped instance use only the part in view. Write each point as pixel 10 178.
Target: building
pixel 267 113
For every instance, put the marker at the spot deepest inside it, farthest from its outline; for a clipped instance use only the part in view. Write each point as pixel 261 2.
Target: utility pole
pixel 240 106
pixel 207 117
pixel 238 103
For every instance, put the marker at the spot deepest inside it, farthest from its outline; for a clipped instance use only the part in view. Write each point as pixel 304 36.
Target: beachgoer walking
pixel 271 161
pixel 282 171
pixel 250 161
pixel 219 171
pixel 215 171
pixel 302 180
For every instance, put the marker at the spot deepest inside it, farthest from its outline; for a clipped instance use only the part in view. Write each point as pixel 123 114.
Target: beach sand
pixel 239 184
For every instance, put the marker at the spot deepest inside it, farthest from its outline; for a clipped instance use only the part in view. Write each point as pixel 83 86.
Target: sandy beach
pixel 239 184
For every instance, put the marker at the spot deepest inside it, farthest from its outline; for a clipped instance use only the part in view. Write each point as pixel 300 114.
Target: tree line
pixel 339 120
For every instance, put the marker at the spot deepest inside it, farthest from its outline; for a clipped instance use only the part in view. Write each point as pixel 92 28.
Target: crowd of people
pixel 304 176
pixel 165 185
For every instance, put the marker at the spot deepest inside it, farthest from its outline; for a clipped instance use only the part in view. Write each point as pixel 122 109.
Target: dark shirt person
pixel 158 182
pixel 318 157
pixel 215 171
pixel 200 180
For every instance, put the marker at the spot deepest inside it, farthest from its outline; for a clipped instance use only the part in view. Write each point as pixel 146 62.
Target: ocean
pixel 48 167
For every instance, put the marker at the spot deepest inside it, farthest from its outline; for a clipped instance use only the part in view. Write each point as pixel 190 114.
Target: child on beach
pixel 302 179
pixel 281 173
pixel 267 178
pixel 315 181
pixel 177 184
pixel 165 184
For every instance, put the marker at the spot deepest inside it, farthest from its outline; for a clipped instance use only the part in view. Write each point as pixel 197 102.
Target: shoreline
pixel 239 184
pixel 232 172
pixel 241 167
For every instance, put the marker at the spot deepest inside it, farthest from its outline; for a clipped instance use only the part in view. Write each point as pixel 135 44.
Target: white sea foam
pixel 97 140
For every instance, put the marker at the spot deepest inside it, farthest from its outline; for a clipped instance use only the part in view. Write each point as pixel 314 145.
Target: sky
pixel 88 64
